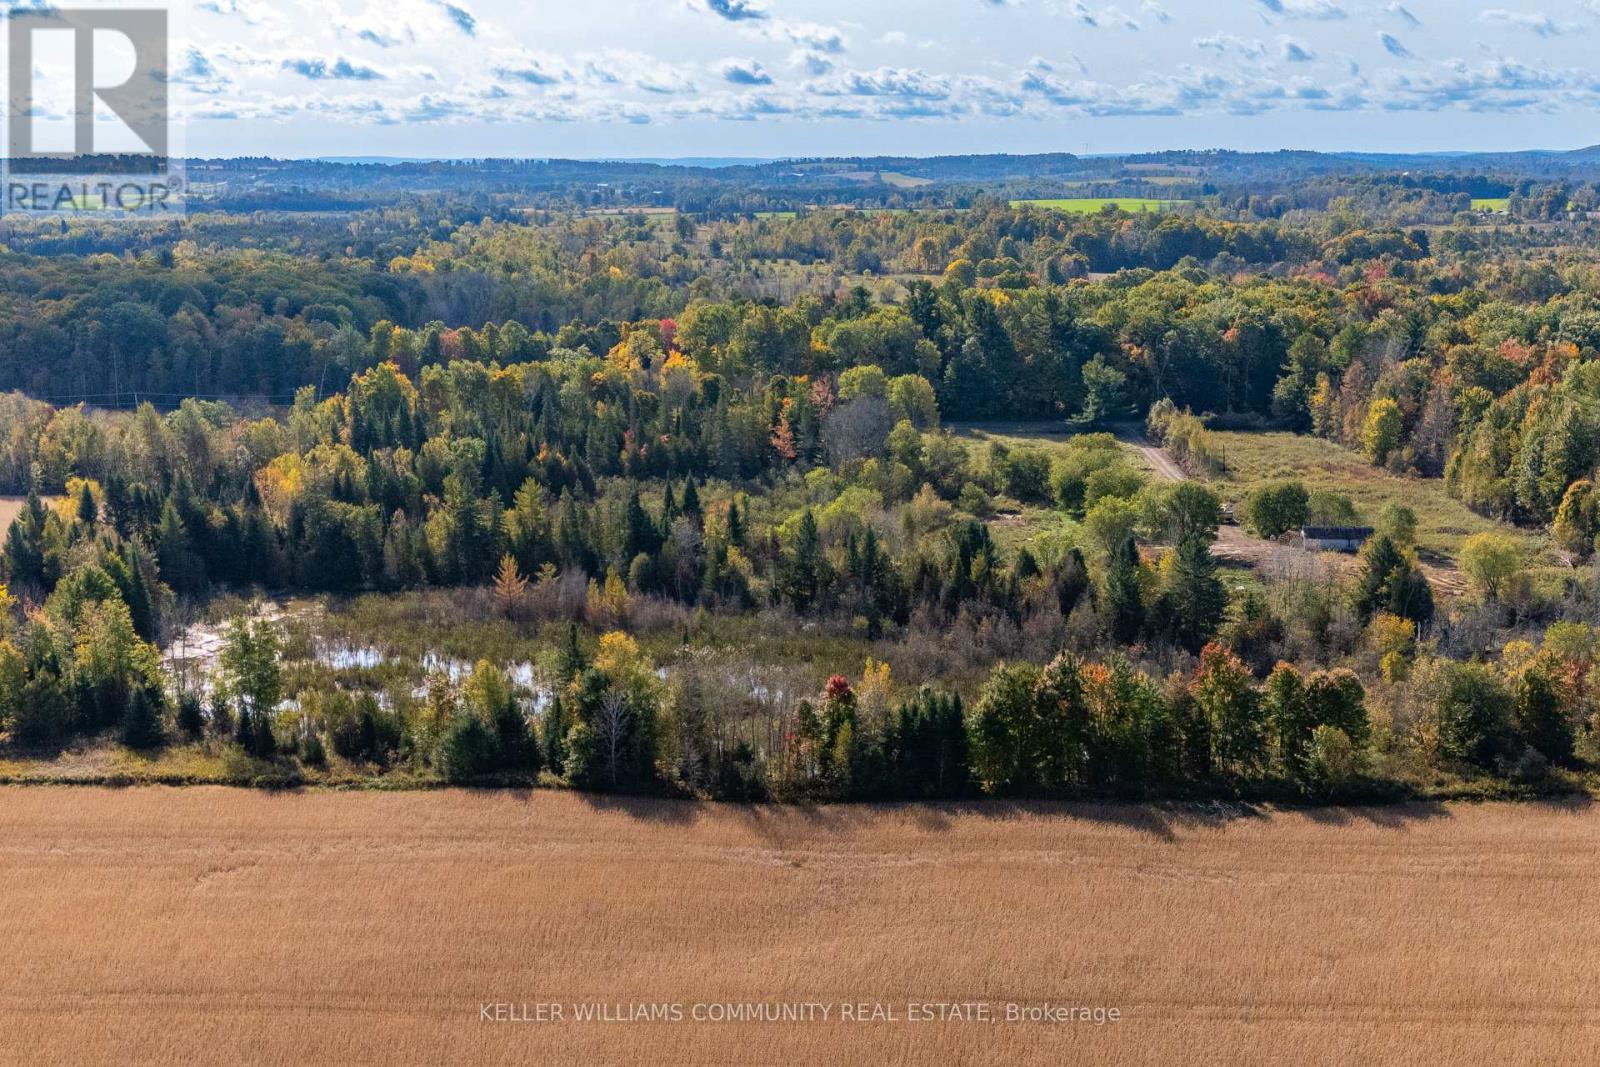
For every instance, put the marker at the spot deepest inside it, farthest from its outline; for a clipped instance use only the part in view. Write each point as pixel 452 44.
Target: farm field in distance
pixel 310 928
pixel 1088 205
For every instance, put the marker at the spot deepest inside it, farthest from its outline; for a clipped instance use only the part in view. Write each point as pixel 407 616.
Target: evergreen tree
pixel 245 731
pixel 191 719
pixel 553 734
pixel 467 749
pixel 1379 561
pixel 1124 597
pixel 87 511
pixel 806 575
pixel 141 723
pixel 1193 603
pixel 571 661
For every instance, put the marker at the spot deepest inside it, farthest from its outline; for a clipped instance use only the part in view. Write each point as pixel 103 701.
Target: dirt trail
pixel 1235 545
pixel 1156 457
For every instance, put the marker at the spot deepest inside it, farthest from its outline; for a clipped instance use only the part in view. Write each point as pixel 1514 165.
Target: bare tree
pixel 857 428
pixel 614 720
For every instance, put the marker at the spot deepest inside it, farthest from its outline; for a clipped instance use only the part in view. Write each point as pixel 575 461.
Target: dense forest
pixel 637 440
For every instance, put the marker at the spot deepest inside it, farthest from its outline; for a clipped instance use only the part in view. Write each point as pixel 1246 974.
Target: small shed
pixel 1334 538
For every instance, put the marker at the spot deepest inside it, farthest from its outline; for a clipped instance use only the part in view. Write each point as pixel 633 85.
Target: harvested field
pixel 211 925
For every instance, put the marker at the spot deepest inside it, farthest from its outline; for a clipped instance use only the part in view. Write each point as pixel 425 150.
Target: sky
pixel 766 78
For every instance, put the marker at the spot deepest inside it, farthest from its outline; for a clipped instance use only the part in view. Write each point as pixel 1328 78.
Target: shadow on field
pixel 1161 820
pixel 1396 816
pixel 663 811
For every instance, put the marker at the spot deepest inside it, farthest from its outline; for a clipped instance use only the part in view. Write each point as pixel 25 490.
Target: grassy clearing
pixel 1253 459
pixel 10 508
pixel 1491 203
pixel 161 925
pixel 1017 524
pixel 1443 522
pixel 1088 205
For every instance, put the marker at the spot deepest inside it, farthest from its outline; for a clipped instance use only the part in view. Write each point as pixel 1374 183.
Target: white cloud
pixel 388 62
pixel 1323 10
pixel 744 72
pixel 1535 22
pixel 1393 46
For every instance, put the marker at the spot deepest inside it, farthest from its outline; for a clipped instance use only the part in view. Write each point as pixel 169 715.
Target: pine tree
pixel 141 722
pixel 517 750
pixel 266 743
pixel 24 545
pixel 553 735
pixel 87 512
pixel 191 719
pixel 1194 601
pixel 137 595
pixel 245 731
pixel 572 661
pixel 669 510
pixel 805 578
pixel 1124 599
pixel 1379 560
pixel 639 532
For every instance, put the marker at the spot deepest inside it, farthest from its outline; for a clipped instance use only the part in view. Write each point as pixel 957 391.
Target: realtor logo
pixel 88 127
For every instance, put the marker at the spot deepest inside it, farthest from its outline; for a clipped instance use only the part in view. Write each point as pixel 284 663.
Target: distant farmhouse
pixel 1334 538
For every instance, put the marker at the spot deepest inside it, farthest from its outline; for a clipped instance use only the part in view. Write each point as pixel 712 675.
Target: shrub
pixel 1276 508
pixel 1399 524
pixel 1027 475
pixel 1530 768
pixel 974 501
pixel 1334 757
pixel 1473 710
pixel 1325 507
pixel 467 750
pixel 1492 561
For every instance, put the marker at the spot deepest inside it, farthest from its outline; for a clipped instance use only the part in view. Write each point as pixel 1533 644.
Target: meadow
pixel 10 508
pixel 1089 205
pixel 1497 204
pixel 179 926
pixel 1443 522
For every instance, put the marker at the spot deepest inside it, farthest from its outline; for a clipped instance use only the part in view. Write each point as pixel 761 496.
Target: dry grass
pixel 1443 522
pixel 10 508
pixel 208 925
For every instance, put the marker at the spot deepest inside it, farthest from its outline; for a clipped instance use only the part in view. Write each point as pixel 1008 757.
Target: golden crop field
pixel 208 925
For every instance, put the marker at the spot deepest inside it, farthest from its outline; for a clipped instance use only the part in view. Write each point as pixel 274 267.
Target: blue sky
pixel 809 77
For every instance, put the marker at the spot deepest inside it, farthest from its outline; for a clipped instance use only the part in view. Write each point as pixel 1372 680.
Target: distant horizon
pixel 716 160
